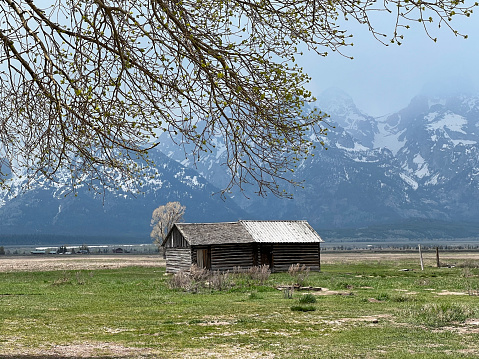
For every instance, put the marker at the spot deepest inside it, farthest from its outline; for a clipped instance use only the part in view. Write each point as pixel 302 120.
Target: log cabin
pixel 224 246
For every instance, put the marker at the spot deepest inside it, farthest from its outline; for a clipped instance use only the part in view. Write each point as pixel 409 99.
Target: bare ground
pixel 89 262
pixel 429 256
pixel 76 262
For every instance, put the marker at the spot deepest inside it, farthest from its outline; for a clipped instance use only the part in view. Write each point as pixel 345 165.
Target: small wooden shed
pixel 223 246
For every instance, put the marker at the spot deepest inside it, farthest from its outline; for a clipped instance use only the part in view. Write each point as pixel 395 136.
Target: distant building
pixel 223 246
pixel 36 252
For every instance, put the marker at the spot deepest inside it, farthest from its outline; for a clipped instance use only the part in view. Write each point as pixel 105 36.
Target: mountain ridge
pixel 418 164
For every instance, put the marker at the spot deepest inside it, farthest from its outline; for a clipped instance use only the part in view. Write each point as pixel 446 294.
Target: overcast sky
pixel 383 79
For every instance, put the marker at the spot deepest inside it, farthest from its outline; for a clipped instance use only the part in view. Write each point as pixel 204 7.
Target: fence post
pixel 438 262
pixel 420 256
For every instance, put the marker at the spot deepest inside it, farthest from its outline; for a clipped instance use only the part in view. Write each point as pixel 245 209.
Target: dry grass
pixel 77 262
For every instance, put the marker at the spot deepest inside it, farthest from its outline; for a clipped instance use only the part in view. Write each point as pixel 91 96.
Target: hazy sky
pixel 383 79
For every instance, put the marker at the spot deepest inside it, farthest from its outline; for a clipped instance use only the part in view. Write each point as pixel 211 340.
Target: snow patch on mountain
pixel 449 120
pixel 410 181
pixel 355 148
pixel 433 180
pixel 422 166
pixel 389 138
pixel 463 142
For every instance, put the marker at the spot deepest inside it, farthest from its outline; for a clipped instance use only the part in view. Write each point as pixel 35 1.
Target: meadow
pixel 369 306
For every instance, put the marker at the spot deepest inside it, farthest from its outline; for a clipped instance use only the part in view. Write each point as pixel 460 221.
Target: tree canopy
pixel 88 85
pixel 163 219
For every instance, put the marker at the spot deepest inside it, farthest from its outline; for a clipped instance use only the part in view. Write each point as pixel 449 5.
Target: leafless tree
pixel 88 85
pixel 163 219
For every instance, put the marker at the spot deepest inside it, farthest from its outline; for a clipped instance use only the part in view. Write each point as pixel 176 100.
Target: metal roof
pixel 248 232
pixel 281 231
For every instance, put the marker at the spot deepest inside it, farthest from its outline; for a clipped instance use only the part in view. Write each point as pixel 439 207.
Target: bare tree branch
pixel 163 219
pixel 89 85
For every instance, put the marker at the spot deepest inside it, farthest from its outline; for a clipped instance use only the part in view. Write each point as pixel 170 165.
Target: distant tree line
pixel 401 247
pixel 56 239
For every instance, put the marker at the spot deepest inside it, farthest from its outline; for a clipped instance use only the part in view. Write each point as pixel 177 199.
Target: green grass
pixel 377 312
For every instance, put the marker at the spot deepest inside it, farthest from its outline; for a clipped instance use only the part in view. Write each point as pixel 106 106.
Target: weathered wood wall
pixel 227 256
pixel 284 255
pixel 178 259
pixel 176 240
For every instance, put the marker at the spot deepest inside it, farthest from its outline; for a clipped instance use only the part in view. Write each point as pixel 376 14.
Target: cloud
pixel 383 79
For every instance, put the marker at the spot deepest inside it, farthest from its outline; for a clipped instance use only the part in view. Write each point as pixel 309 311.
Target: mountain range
pixel 410 174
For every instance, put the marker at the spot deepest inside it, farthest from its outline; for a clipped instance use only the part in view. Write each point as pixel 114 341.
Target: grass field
pixel 369 307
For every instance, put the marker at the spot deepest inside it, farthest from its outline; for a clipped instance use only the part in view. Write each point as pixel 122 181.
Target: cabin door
pixel 203 258
pixel 267 255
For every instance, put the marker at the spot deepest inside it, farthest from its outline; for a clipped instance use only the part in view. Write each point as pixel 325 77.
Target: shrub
pixel 259 273
pixel 197 278
pixel 198 274
pixel 307 299
pixel 382 297
pixel 403 298
pixel 299 272
pixel 181 280
pixel 66 278
pixel 254 295
pixel 219 280
pixel 440 314
pixel 469 263
pixel 303 308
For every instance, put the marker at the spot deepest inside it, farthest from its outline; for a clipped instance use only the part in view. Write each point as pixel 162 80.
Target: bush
pixel 469 263
pixel 382 297
pixel 307 299
pixel 440 314
pixel 299 273
pixel 80 278
pixel 258 274
pixel 403 298
pixel 254 295
pixel 303 308
pixel 198 274
pixel 181 280
pixel 197 278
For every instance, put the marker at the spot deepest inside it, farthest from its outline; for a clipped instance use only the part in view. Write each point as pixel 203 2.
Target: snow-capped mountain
pixel 422 162
pixel 119 214
pixel 417 168
pixel 346 115
pixel 419 163
pixel 438 155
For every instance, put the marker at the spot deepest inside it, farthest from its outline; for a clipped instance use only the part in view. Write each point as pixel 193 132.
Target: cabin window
pixel 203 258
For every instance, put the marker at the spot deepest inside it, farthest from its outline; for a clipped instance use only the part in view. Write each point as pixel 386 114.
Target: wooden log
pixel 178 259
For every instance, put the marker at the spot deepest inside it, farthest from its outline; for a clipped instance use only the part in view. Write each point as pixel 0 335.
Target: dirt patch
pixel 326 291
pixel 373 319
pixel 446 292
pixel 226 352
pixel 75 262
pixel 83 350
